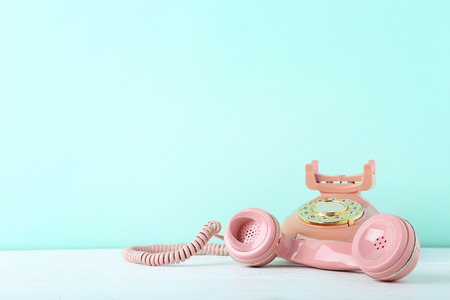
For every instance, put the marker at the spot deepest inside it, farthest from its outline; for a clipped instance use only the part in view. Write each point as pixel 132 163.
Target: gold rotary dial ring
pixel 331 211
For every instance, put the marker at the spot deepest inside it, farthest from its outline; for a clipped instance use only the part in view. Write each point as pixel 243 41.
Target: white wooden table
pixel 103 274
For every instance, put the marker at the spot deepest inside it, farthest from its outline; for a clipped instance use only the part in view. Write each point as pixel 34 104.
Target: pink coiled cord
pixel 156 255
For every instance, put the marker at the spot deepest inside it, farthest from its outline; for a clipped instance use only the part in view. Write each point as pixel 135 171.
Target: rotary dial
pixel 331 211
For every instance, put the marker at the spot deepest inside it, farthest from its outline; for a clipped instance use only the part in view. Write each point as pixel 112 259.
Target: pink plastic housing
pixel 384 246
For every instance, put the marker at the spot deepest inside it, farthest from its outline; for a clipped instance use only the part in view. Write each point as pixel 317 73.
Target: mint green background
pixel 134 123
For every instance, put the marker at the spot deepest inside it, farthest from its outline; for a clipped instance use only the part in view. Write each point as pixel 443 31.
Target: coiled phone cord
pixel 156 255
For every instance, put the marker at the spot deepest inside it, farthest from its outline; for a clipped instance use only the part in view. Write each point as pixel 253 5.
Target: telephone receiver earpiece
pixel 385 247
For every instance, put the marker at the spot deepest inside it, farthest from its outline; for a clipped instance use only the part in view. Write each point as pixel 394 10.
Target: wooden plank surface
pixel 103 274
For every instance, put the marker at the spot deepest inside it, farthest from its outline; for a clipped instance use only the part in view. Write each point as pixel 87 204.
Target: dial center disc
pixel 329 207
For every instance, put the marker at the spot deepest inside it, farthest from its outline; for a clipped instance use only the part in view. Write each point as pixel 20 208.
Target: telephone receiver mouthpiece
pixel 252 237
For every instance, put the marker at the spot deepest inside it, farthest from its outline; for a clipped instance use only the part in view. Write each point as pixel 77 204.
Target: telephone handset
pixel 338 230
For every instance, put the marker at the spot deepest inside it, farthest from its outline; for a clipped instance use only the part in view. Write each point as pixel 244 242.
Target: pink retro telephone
pixel 338 230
